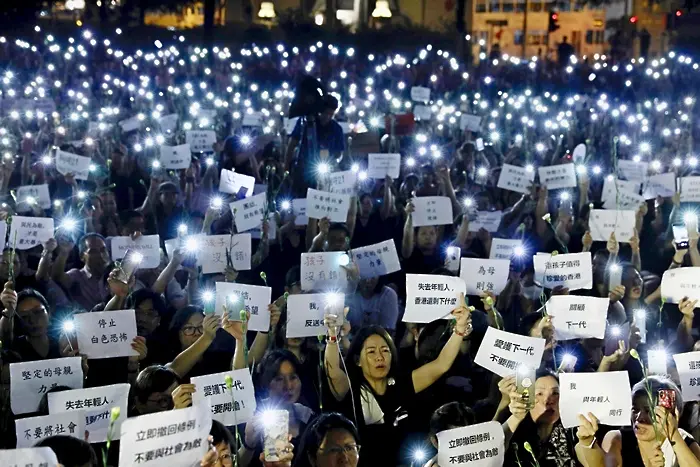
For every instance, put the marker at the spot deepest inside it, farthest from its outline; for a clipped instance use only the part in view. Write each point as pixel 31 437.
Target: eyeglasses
pixel 353 450
pixel 192 330
pixel 163 400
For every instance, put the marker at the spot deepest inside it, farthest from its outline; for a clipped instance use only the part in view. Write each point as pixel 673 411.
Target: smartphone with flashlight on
pixel 276 437
pixel 525 385
pixel 667 399
pixel 129 265
pixel 480 144
pixel 234 304
pixel 454 253
pixel 680 236
pixel 614 276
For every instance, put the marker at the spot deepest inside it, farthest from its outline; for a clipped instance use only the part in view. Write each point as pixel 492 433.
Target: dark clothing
pixel 22 346
pixel 555 451
pixel 376 230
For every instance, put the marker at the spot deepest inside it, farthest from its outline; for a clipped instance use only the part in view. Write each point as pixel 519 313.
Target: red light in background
pixel 633 19
pixel 679 12
pixel 555 16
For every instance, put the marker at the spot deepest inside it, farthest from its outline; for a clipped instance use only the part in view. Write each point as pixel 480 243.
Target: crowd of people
pixel 516 162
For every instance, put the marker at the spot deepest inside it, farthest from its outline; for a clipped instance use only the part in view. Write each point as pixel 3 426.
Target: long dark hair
pixel 179 319
pixel 315 434
pixel 353 357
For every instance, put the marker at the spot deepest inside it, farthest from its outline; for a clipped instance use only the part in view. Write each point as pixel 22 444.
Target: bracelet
pixel 590 446
pixel 332 339
pixel 461 334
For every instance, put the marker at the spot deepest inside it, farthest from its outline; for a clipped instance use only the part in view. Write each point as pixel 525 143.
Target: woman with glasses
pixel 152 321
pixel 331 440
pixel 654 439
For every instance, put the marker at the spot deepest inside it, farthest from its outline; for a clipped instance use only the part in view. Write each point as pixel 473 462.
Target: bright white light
pixel 191 244
pixel 344 260
pixel 615 331
pixel 286 205
pixel 656 165
pixel 529 168
pixel 410 162
pixel 217 202
pixel 518 251
pixel 568 360
pixel 355 168
pixel 581 169
pixel 564 196
pixel 597 170
pixel 68 224
pixel 156 164
pixel 693 161
pixel 323 168
pixel 690 218
pixel 182 229
pixel 208 296
pixel 362 176
pixel 482 171
pixel 468 202
pixel 68 326
pixel 419 455
pixel 136 257
pixel 245 140
pixel 677 162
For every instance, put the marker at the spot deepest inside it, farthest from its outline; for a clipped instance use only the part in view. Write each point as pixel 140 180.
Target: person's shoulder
pixel 75 272
pixel 388 292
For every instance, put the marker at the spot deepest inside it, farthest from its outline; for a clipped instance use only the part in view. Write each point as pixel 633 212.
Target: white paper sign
pixel 69 163
pixel 607 395
pixel 40 194
pixel 33 429
pixel 106 334
pixel 212 252
pixel 231 182
pixel 578 317
pixel 420 94
pixel 230 407
pixel 603 222
pixel 422 112
pixel 289 124
pixel 502 248
pixel 689 188
pixel 28 457
pixel 30 231
pixel 481 275
pixel 175 157
pixel 376 260
pixel 252 119
pixel 29 381
pixel 130 124
pixel 469 122
pixel 480 445
pixel 579 154
pixel 320 204
pixel 432 210
pixel 381 165
pixel 344 182
pixel 558 176
pixel 573 270
pixel 620 193
pixel 166 439
pixel 630 170
pixel 168 123
pixel 96 404
pixel 254 299
pixel 305 313
pixel 299 210
pixel 503 352
pixel 147 245
pixel 201 140
pixel 323 271
pixel 663 185
pixel 248 213
pixel 688 366
pixel 679 283
pixel 487 220
pixel 431 297
pixel 515 178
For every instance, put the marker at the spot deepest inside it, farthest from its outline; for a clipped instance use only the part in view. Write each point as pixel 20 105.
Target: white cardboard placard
pixel 30 231
pixel 431 297
pixel 558 176
pixel 29 381
pixel 688 366
pixel 248 213
pixel 681 282
pixel 322 271
pixel 633 171
pixel 299 210
pixel 481 275
pixel 607 395
pixel 201 140
pixel 488 220
pixel 573 270
pixel 251 298
pixel 689 188
pixel 469 122
pixel 432 210
pixel 28 457
pixel 381 165
pixel 106 334
pixel 663 185
pixel 603 222
pixel 147 245
pixel 69 163
pixel 344 182
pixel 480 445
pixel 40 193
pixel 230 407
pixel 33 429
pixel 168 123
pixel 320 204
pixel 420 94
pixel 376 260
pixel 231 182
pixel 578 317
pixel 306 312
pixel 175 157
pixel 503 352
pixel 515 178
pixel 502 248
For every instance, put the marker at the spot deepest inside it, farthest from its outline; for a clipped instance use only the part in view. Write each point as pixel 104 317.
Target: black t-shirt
pixel 376 230
pixel 24 348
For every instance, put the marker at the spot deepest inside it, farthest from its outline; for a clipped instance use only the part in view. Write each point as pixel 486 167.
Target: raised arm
pixel 352 215
pixel 388 209
pixel 320 239
pixel 58 270
pixel 408 235
pixel 337 379
pixel 43 271
pixel 684 331
pixel 186 360
pixel 588 451
pixel 168 273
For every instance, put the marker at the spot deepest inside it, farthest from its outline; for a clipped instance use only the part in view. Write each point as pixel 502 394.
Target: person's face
pixel 368 285
pixel 427 237
pixel 168 199
pixel 95 256
pixel 135 224
pixel 5 261
pixel 191 331
pixel 327 116
pixel 147 318
pixel 224 458
pixel 285 387
pixel 547 398
pixel 641 418
pixel 375 358
pixel 295 289
pixel 109 203
pixel 338 449
pixel 33 316
pixel 336 240
pixel 157 401
pixel 366 206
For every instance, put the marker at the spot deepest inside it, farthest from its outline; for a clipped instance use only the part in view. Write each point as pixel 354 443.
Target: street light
pixel 267 10
pixel 381 10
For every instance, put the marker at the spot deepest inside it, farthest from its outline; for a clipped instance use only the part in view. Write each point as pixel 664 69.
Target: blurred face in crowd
pixel 285 387
pixel 109 203
pixel 642 414
pixel 547 399
pixel 168 199
pixel 5 262
pixel 224 458
pixel 367 286
pixel 366 206
pixel 147 318
pixel 426 237
pixel 157 401
pixel 191 331
pixel 33 316
pixel 336 240
pixel 338 449
pixel 326 116
pixel 95 256
pixel 375 358
pixel 133 225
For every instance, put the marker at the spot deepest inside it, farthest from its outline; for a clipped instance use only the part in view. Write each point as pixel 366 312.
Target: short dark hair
pixel 293 276
pixel 154 378
pixel 70 451
pixel 654 384
pixel 220 434
pixel 316 432
pixel 529 321
pixel 330 102
pixel 82 242
pixel 353 354
pixel 126 216
pixel 452 414
pixel 183 315
pixel 340 226
pixel 26 294
pixel 135 298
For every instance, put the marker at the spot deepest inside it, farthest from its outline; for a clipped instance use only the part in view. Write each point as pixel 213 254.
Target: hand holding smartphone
pixel 129 265
pixel 276 438
pixel 525 385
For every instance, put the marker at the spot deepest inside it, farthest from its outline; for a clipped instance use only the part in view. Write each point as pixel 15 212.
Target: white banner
pixel 28 457
pixel 168 123
pixel 33 429
pixel 432 210
pixel 516 178
pixel 469 122
pixel 487 220
pixel 69 163
pixel 299 210
pixel 688 366
pixel 422 112
pixel 573 270
pixel 96 404
pixel 175 157
pixel 663 185
pixel 481 275
pixel 377 260
pixel 230 407
pixel 689 188
pixel 631 170
pixel 603 222
pixel 29 381
pixel 165 439
pixel 607 395
pixel 231 182
pixel 212 252
pixel 578 317
pixel 106 334
pixel 251 298
pixel 420 94
pixel 620 193
pixel 130 124
pixel 503 352
pixel 30 231
pixel 248 213
pixel 558 176
pixel 320 204
pixel 381 165
pixel 201 140
pixel 147 245
pixel 322 271
pixel 679 283
pixel 431 297
pixel 305 313
pixel 480 445
pixel 343 183
pixel 502 248
pixel 40 194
